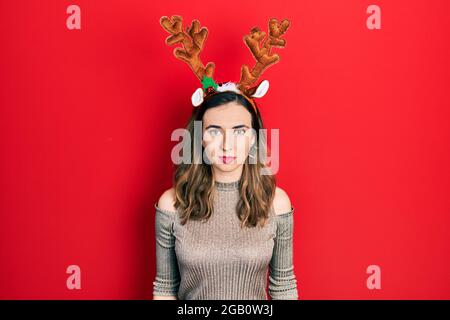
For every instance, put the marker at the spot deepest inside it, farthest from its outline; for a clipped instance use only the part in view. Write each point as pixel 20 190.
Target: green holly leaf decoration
pixel 209 82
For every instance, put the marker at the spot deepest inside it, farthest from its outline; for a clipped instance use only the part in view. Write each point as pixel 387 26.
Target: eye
pixel 214 132
pixel 239 132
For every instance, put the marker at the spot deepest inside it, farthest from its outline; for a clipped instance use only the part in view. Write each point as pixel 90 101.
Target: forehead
pixel 227 116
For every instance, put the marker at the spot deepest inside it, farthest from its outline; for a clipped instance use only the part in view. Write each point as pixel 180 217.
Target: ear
pixel 197 97
pixel 262 89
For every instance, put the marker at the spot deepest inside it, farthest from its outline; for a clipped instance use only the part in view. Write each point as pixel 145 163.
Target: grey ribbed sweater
pixel 217 260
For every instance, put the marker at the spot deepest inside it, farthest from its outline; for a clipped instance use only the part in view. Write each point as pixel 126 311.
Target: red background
pixel 86 118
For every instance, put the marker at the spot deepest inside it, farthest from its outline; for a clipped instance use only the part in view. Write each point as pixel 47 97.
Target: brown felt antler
pixel 261 51
pixel 192 41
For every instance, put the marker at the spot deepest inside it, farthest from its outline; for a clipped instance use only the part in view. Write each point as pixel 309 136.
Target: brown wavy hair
pixel 194 184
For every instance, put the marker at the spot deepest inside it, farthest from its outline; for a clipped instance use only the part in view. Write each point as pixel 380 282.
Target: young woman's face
pixel 227 135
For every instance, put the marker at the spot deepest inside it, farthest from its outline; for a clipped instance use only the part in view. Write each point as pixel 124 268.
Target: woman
pixel 218 258
pixel 224 222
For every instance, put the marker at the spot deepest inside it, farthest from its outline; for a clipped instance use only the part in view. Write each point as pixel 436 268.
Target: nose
pixel 227 143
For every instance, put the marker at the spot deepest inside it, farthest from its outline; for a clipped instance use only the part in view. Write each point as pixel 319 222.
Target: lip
pixel 227 159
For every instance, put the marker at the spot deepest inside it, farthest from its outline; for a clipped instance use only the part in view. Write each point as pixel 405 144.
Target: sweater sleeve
pixel 167 279
pixel 282 280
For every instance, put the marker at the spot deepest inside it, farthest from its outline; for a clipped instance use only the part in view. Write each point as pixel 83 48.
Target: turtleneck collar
pixel 224 186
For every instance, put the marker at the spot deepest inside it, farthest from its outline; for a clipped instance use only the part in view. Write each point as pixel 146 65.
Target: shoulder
pixel 167 200
pixel 281 202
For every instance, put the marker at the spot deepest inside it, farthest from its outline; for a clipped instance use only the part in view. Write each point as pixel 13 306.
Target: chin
pixel 227 167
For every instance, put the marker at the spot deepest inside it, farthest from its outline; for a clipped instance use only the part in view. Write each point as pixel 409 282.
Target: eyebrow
pixel 235 127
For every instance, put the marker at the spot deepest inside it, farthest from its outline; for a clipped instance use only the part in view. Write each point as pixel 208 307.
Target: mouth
pixel 227 159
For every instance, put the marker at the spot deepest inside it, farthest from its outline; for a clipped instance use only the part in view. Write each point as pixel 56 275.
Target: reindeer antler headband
pixel 193 40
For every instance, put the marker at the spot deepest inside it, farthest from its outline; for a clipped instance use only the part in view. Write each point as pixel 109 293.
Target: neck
pixel 227 176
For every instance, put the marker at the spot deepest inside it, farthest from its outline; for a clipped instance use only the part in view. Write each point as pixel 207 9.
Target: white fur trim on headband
pixel 197 96
pixel 228 86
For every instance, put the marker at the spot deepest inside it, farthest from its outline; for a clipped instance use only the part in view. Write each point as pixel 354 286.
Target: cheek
pixel 211 145
pixel 208 139
pixel 242 146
